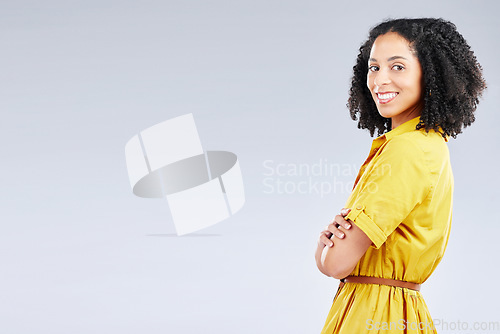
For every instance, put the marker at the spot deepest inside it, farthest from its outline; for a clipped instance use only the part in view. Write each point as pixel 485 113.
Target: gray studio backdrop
pixel 267 80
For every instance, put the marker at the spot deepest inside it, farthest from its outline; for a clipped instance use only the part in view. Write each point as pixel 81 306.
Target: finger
pixel 345 224
pixel 335 231
pixel 326 232
pixel 331 228
pixel 342 222
pixel 338 233
pixel 326 241
pixel 345 211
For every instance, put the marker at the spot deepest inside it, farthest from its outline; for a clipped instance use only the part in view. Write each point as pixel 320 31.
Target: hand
pixel 333 228
pixel 324 237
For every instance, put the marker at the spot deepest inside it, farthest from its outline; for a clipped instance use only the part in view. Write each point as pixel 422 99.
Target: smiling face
pixel 395 79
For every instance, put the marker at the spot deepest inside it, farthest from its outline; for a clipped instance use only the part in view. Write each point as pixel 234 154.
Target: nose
pixel 382 77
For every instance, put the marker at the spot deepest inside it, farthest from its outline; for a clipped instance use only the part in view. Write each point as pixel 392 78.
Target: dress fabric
pixel 402 200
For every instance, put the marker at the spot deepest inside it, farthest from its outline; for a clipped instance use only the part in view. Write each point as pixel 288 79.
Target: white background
pixel 267 80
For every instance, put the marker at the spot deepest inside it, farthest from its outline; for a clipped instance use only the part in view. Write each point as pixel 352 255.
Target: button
pixel 359 207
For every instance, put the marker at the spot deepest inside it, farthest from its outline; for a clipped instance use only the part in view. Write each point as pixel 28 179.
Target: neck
pixel 400 119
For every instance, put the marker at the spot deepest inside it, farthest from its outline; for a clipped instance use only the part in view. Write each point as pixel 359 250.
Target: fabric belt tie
pixel 379 280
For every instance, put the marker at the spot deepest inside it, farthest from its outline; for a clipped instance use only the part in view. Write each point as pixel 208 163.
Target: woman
pixel 416 82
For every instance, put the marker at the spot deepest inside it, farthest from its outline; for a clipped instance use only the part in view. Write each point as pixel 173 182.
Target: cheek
pixel 417 87
pixel 419 83
pixel 369 82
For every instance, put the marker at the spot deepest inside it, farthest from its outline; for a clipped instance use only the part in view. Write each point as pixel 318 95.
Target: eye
pixel 398 67
pixel 373 68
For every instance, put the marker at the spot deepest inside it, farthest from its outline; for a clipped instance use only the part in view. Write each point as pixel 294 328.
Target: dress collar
pixel 405 127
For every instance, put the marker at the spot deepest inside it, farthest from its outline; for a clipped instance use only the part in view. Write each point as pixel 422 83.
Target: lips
pixel 384 98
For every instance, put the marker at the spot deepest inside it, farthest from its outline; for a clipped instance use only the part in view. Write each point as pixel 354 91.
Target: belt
pixel 379 280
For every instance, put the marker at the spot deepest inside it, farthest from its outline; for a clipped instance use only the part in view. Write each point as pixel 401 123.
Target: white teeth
pixel 386 96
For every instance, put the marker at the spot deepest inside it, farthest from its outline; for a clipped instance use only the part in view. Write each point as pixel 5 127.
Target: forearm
pixel 341 259
pixel 338 253
pixel 318 256
pixel 331 264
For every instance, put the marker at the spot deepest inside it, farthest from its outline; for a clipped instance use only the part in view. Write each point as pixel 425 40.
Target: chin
pixel 386 114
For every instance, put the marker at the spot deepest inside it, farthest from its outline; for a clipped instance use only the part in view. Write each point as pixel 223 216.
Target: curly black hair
pixel 453 80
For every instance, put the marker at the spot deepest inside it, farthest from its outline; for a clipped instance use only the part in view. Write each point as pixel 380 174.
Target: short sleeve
pixel 393 184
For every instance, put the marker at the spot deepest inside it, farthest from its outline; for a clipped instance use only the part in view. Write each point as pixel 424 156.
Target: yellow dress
pixel 402 200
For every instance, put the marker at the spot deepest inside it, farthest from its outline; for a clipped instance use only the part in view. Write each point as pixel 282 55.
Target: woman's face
pixel 395 79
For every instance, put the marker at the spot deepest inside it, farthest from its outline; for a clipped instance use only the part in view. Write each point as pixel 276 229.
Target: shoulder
pixel 403 156
pixel 424 148
pixel 431 144
pixel 428 150
pixel 405 146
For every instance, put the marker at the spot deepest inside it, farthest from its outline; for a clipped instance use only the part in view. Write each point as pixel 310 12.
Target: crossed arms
pixel 340 247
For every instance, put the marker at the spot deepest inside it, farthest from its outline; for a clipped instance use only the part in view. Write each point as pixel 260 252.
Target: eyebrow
pixel 390 59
